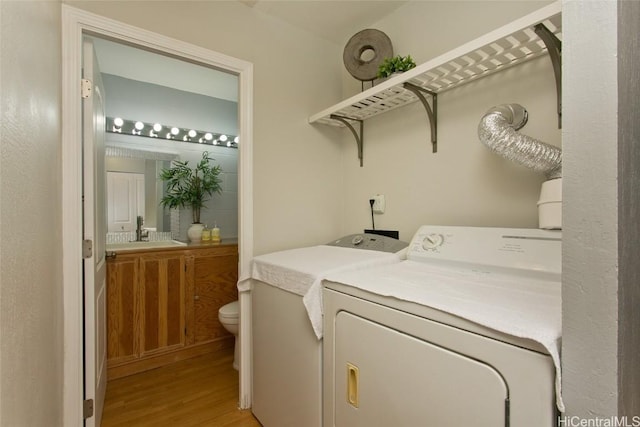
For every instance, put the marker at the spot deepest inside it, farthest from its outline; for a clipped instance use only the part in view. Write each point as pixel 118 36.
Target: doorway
pixel 77 23
pixel 148 97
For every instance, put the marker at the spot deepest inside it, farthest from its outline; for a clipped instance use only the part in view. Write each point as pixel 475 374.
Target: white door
pixel 125 195
pixel 94 223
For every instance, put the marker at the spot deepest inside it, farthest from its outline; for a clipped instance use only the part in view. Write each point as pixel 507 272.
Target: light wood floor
pixel 202 391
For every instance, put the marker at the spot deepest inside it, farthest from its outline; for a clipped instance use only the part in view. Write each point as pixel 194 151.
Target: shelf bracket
pixel 554 47
pixel 432 115
pixel 356 135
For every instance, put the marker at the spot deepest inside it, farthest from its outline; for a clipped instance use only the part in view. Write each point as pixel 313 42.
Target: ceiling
pixel 332 20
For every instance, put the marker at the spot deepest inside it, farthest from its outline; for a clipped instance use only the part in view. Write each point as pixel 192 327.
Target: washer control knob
pixel 432 241
pixel 357 240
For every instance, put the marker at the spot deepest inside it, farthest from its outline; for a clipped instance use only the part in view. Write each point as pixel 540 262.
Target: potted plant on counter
pixel 397 64
pixel 188 187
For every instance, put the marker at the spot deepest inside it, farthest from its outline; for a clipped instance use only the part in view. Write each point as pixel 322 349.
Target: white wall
pixel 601 204
pixel 296 179
pixel 463 183
pixel 30 204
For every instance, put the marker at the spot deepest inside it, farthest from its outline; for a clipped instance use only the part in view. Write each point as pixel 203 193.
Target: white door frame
pixel 75 23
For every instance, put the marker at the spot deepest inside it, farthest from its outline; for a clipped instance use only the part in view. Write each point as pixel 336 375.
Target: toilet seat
pixel 229 313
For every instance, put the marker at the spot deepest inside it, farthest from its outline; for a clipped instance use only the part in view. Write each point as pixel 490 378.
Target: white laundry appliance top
pixel 302 270
pixel 504 279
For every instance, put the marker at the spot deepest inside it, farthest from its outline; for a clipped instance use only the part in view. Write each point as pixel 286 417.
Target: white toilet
pixel 229 315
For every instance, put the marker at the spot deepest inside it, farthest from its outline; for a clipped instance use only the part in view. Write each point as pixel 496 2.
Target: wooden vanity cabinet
pixel 162 305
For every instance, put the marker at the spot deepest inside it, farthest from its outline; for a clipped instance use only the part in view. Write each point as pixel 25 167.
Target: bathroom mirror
pixel 137 189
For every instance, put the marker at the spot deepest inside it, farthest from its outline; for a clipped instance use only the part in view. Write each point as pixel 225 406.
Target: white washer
pixel 286 293
pixel 464 332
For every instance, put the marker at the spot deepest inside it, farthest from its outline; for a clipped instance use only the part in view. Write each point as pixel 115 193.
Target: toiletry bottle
pixel 206 234
pixel 215 234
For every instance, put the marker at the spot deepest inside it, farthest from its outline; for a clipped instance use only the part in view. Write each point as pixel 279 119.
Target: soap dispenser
pixel 215 234
pixel 206 234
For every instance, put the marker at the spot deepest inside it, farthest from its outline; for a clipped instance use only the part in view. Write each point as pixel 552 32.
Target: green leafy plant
pixel 191 187
pixel 394 65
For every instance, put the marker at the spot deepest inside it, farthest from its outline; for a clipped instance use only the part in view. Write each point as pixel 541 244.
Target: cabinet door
pixel 122 288
pixel 162 292
pixel 215 279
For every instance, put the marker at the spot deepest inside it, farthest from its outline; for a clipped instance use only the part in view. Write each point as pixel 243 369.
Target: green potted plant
pixel 397 64
pixel 188 187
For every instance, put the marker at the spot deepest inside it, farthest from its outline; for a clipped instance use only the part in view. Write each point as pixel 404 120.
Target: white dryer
pixel 286 295
pixel 465 332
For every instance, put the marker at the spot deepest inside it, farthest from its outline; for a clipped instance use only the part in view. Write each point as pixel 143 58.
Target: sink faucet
pixel 140 233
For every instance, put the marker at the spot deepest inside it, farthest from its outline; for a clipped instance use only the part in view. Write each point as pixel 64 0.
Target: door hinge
pixel 87 408
pixel 86 87
pixel 87 249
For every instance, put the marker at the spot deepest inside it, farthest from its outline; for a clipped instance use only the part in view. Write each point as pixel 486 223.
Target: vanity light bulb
pixel 223 138
pixel 192 133
pixel 118 122
pixel 236 139
pixel 157 127
pixel 175 131
pixel 139 125
pixel 208 136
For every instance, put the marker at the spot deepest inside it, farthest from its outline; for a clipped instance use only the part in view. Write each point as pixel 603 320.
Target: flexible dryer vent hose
pixel 498 131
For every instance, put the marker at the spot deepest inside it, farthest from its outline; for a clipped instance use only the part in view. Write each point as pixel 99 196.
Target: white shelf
pixel 498 50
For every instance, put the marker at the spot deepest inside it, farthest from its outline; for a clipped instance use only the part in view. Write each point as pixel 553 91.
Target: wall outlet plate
pixel 378 204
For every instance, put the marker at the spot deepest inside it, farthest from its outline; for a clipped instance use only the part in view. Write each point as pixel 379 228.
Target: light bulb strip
pixel 172 133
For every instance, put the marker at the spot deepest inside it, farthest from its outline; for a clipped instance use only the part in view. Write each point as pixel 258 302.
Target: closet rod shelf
pixel 510 45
